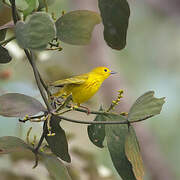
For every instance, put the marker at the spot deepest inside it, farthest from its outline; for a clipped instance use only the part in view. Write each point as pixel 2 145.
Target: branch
pixel 36 150
pixel 91 112
pixel 31 60
pixel 38 81
pixel 4 1
pixel 14 12
pixel 15 19
pixel 46 6
pixel 103 122
pixel 7 40
pixel 42 82
pixel 41 139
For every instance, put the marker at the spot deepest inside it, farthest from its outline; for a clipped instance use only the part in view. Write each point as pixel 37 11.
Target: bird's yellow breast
pixel 83 92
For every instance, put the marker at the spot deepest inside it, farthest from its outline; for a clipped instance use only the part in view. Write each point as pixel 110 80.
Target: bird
pixel 82 87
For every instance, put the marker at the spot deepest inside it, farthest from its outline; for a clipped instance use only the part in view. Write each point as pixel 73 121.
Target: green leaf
pixel 133 154
pixel 96 133
pixel 57 143
pixel 19 105
pixel 32 5
pixel 4 55
pixel 76 27
pixel 116 136
pixel 115 16
pixel 146 105
pixel 26 6
pixel 55 167
pixel 36 32
pixel 9 144
pixel 22 4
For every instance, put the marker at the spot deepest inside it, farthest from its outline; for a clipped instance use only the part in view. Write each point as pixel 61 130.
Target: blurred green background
pixel 150 61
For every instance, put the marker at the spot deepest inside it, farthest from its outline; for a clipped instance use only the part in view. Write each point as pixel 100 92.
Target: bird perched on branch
pixel 84 86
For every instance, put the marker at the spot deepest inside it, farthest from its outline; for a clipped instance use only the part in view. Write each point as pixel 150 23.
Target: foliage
pixel 57 143
pixel 97 132
pixel 78 33
pixel 132 151
pixel 19 105
pixel 55 167
pixel 36 30
pixel 115 15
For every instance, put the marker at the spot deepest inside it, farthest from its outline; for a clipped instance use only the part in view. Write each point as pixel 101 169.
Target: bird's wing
pixel 74 80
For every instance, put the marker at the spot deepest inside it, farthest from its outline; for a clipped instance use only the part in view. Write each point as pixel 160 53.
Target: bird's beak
pixel 112 72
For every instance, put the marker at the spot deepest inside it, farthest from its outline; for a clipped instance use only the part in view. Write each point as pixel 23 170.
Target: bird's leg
pixel 74 107
pixel 84 107
pixel 65 111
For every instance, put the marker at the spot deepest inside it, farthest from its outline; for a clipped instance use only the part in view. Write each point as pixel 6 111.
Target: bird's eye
pixel 105 70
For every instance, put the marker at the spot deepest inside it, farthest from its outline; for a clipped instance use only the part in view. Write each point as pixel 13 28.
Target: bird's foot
pixel 88 110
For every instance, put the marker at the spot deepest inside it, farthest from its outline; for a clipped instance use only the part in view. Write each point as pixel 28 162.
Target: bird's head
pixel 104 72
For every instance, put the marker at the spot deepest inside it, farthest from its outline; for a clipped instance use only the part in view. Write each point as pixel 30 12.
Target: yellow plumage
pixel 84 86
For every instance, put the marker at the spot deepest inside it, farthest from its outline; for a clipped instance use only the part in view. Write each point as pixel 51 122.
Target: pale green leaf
pixel 9 144
pixel 145 106
pixel 32 5
pixel 116 136
pixel 19 105
pixel 76 27
pixel 36 32
pixel 55 167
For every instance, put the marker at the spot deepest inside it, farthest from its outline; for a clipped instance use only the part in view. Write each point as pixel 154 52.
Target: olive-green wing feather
pixel 74 80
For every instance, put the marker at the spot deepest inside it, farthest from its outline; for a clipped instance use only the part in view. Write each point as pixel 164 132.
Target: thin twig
pixel 65 103
pixel 29 118
pixel 41 139
pixel 38 81
pixel 4 2
pixel 46 6
pixel 91 112
pixel 36 160
pixel 28 134
pixel 14 11
pixel 7 40
pixel 42 82
pixel 54 49
pixel 36 150
pixel 104 122
pixel 15 19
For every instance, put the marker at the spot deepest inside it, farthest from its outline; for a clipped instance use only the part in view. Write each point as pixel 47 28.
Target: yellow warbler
pixel 84 86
